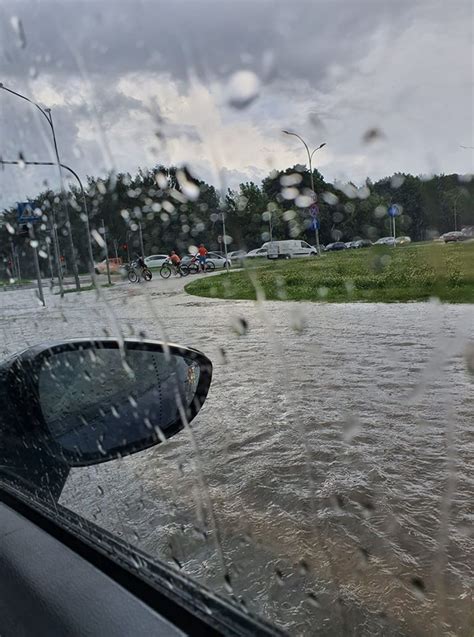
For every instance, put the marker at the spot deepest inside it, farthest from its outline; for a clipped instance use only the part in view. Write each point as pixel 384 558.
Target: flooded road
pixel 333 491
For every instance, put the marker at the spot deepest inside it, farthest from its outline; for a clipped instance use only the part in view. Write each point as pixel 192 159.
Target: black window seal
pixel 176 597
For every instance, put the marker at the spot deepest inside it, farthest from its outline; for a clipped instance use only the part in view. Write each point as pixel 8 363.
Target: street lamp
pixel 310 160
pixel 84 201
pixel 455 209
pixel 46 112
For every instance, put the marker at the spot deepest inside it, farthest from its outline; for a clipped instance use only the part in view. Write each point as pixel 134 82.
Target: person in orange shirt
pixel 202 256
pixel 175 261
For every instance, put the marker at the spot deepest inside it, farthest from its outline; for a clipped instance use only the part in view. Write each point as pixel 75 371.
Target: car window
pixel 326 483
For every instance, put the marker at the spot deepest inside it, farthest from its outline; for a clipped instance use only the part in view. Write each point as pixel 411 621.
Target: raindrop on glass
pixel 17 26
pixel 243 89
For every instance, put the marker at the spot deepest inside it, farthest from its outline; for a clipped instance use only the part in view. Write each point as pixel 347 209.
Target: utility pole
pixel 50 261
pixel 225 242
pixel 34 246
pixel 106 254
pixel 141 239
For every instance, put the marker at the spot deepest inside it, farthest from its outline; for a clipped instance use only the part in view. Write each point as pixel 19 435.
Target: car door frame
pixel 187 605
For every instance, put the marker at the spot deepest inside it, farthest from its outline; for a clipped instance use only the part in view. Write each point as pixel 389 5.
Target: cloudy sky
pixel 211 84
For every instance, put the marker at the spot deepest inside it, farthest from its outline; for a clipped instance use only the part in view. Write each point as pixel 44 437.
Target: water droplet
pixel 100 490
pixel 10 228
pixel 372 135
pixel 397 181
pixel 330 198
pixel 239 325
pixel 228 582
pixel 323 292
pixel 243 89
pixel 316 121
pixel 350 428
pixel 189 188
pixel 289 193
pixel 98 239
pixel 418 587
pixel 21 161
pixel 303 201
pixel 469 357
pixel 313 600
pixel 33 72
pixel 291 180
pixel 304 566
pixel 19 31
pixel 279 575
pixel 160 434
pixel 34 243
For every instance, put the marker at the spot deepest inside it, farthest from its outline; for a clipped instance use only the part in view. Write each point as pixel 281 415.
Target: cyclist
pixel 139 266
pixel 175 260
pixel 202 256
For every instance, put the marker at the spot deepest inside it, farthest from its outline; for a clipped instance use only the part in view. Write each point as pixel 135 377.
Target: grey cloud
pixel 205 37
pixel 320 63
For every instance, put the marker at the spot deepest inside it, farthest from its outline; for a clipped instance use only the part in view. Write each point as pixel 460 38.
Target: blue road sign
pixel 393 211
pixel 315 224
pixel 314 210
pixel 26 212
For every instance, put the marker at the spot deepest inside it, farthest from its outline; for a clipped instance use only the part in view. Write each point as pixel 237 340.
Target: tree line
pixel 174 210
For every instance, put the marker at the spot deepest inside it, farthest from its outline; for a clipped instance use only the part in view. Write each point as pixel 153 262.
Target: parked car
pixel 258 252
pixel 362 243
pixel 338 245
pixel 453 237
pixel 115 265
pixel 289 249
pixel 237 255
pixel 218 260
pixel 402 240
pixel 385 241
pixel 155 260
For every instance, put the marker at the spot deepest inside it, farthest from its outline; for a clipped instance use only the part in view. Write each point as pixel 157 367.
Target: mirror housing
pixel 131 395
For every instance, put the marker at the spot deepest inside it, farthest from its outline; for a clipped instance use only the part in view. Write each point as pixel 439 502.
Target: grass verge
pixel 404 273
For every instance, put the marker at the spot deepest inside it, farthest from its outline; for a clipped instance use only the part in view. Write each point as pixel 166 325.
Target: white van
pixel 289 249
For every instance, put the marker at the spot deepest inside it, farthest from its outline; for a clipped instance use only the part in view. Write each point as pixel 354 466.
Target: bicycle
pixel 133 276
pixel 195 267
pixel 167 270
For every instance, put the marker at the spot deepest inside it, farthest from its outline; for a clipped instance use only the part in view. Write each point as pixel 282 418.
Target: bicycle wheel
pixel 147 275
pixel 210 267
pixel 193 268
pixel 165 271
pixel 184 270
pixel 132 276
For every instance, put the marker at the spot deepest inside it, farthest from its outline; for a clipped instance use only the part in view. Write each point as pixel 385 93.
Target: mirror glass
pixel 97 400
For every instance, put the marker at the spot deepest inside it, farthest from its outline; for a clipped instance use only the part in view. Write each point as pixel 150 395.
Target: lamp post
pixel 310 160
pixel 84 203
pixel 224 236
pixel 455 209
pixel 46 112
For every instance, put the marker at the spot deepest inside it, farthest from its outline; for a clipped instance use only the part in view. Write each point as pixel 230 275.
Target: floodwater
pixel 333 481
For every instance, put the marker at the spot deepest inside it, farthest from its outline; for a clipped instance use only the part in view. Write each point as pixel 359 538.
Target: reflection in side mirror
pixel 100 401
pixel 83 402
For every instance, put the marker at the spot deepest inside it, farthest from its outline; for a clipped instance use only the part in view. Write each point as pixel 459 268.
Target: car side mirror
pixel 90 401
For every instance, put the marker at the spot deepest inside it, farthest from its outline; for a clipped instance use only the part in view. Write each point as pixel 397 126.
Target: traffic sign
pixel 315 224
pixel 314 210
pixel 26 212
pixel 394 211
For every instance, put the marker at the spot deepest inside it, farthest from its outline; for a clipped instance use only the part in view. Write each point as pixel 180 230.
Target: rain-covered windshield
pixel 300 176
